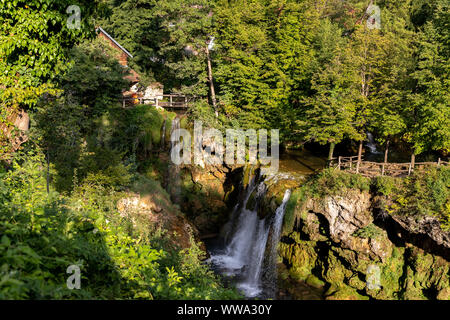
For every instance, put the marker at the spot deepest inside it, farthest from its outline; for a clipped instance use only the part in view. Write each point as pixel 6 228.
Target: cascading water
pixel 174 172
pixel 275 237
pixel 371 144
pixel 175 129
pixel 163 135
pixel 246 245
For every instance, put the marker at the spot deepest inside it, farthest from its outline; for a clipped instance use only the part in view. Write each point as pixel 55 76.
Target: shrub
pixel 370 231
pixel 428 193
pixel 385 185
pixel 42 234
pixel 335 182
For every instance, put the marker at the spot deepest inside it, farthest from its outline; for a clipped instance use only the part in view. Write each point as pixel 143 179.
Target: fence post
pixel 439 162
pixel 382 169
pixel 339 162
pixel 410 168
pixel 171 100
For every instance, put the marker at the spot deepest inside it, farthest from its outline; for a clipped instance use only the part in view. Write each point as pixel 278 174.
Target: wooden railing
pixel 373 169
pixel 167 101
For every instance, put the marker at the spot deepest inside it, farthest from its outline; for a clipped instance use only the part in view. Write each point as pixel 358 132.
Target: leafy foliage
pixel 315 71
pixel 336 182
pixel 44 234
pixel 426 193
pixel 370 231
pixel 34 39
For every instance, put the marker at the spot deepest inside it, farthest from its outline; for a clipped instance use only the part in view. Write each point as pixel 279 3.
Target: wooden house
pixel 136 94
pixel 123 54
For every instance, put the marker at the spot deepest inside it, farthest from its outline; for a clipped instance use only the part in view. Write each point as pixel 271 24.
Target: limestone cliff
pixel 344 245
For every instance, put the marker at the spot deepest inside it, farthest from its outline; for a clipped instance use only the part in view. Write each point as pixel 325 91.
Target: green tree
pixel 34 39
pixel 394 107
pixel 327 115
pixel 75 142
pixel 169 40
pixel 265 60
pixel 429 127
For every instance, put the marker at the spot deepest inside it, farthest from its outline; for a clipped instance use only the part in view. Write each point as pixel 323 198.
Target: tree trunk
pixel 330 154
pixel 211 82
pixel 359 156
pixel 48 171
pixel 386 152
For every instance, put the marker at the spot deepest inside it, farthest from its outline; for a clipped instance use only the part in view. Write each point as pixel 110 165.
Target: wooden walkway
pixel 166 101
pixel 374 169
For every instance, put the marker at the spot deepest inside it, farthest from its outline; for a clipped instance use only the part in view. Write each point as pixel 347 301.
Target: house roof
pixel 114 41
pixel 133 76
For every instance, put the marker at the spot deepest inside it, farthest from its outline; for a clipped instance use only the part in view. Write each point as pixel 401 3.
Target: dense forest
pixel 323 72
pixel 317 70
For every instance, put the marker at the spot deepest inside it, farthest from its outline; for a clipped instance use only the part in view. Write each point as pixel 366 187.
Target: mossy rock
pixel 315 282
pixel 184 124
pixel 344 293
pixel 357 283
pixel 251 203
pixel 228 193
pixel 292 211
pixel 301 256
pixel 246 176
pixel 336 272
pixel 427 271
pixel 169 118
pixel 444 294
pixel 278 189
pixel 349 256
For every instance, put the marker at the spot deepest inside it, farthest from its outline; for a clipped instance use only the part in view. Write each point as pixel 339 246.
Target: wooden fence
pixel 166 101
pixel 373 169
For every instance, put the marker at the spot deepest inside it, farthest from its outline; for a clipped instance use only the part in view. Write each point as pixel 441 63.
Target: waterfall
pixel 163 135
pixel 371 144
pixel 175 126
pixel 174 185
pixel 247 246
pixel 275 238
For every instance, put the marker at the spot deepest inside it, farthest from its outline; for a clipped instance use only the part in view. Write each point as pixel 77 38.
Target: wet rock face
pixel 337 241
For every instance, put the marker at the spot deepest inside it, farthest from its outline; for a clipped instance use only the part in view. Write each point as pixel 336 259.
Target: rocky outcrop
pixel 428 226
pixel 13 131
pixel 205 195
pixel 340 245
pixel 167 217
pixel 345 214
